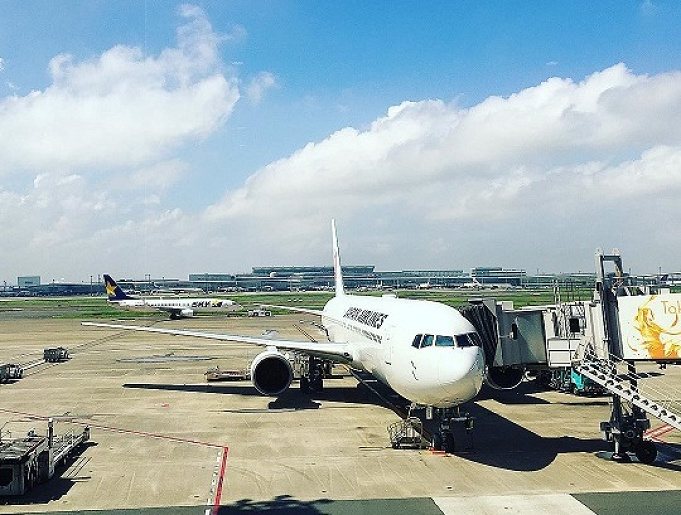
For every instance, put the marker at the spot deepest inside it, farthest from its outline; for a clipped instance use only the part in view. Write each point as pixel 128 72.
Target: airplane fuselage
pixel 423 350
pixel 177 305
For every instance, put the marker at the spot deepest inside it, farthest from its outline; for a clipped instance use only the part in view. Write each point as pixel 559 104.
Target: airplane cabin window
pixel 427 340
pixel 444 341
pixel 417 341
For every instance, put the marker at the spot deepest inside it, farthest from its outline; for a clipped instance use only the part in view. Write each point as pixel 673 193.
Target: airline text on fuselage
pixel 365 316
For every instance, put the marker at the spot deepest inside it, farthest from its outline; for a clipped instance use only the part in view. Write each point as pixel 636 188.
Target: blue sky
pixel 169 138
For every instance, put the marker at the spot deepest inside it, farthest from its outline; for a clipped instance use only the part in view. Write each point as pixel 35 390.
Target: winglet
pixel 113 291
pixel 337 272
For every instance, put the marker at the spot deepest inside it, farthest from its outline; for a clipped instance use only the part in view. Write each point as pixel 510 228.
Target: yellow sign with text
pixel 650 326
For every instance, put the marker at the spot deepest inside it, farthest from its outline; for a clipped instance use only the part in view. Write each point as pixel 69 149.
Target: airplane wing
pixel 298 310
pixel 339 352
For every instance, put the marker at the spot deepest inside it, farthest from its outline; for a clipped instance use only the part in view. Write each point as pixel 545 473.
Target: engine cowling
pixel 271 372
pixel 187 313
pixel 504 378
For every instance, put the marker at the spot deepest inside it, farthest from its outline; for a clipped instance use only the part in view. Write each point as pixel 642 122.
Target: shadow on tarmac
pixel 496 441
pixel 284 504
pixel 281 503
pixel 292 398
pixel 501 443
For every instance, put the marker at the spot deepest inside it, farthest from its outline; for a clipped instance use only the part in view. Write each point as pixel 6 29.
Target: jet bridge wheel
pixel 645 451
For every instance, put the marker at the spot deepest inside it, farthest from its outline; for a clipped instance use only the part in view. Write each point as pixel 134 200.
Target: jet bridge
pixel 514 340
pixel 626 324
pixel 602 339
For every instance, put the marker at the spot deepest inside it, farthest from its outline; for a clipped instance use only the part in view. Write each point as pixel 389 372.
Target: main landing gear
pixel 312 375
pixel 449 419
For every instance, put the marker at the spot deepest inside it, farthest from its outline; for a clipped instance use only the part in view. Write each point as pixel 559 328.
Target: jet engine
pixel 504 378
pixel 271 372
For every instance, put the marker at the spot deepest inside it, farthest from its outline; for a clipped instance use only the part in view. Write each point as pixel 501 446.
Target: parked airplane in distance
pixel 425 351
pixel 177 307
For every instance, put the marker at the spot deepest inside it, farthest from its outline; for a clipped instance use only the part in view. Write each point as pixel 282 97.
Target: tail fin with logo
pixel 337 272
pixel 113 291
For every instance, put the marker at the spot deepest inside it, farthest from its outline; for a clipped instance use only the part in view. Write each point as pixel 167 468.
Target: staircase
pixel 605 373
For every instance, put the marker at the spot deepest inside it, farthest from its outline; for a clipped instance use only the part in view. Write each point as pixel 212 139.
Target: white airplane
pixel 425 351
pixel 179 307
pixel 473 284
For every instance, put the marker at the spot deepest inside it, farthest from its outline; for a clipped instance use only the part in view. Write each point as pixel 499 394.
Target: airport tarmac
pixel 166 442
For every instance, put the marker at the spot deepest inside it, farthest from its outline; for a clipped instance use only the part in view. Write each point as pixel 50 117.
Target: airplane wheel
pixel 317 383
pixel 304 385
pixel 448 443
pixel 646 452
pixel 437 442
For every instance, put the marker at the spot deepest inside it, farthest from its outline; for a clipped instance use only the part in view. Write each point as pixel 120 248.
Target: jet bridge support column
pixel 625 427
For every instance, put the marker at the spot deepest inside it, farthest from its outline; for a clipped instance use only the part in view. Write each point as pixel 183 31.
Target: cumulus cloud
pixel 535 179
pixel 560 148
pixel 122 108
pixel 648 8
pixel 96 150
pixel 259 85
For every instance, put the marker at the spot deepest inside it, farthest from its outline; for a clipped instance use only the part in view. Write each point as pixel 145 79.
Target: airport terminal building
pixel 305 278
pixel 355 277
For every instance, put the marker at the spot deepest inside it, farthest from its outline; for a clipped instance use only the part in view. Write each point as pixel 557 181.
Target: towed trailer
pixel 56 354
pixel 10 372
pixel 29 461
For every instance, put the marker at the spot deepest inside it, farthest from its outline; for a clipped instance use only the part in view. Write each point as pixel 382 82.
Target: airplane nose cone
pixel 462 376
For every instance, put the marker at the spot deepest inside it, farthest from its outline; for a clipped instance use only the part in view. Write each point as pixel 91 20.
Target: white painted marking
pixel 555 504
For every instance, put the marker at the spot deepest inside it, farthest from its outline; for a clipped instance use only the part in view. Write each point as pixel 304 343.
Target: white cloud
pixel 122 108
pixel 259 85
pixel 158 176
pixel 649 8
pixel 2 64
pixel 536 179
pixel 558 149
pixel 96 151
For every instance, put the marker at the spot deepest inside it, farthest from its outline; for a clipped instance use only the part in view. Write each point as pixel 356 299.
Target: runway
pixel 166 442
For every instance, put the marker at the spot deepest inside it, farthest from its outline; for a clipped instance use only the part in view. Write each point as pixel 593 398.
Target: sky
pixel 163 139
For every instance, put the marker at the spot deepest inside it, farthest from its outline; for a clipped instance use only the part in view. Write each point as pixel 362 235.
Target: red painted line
pixel 225 449
pixel 118 429
pixel 654 434
pixel 218 490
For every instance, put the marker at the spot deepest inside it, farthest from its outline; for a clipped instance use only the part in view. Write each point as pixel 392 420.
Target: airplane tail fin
pixel 337 272
pixel 113 291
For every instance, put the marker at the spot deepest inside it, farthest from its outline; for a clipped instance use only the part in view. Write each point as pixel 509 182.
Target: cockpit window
pixel 468 340
pixel 444 341
pixel 475 338
pixel 460 340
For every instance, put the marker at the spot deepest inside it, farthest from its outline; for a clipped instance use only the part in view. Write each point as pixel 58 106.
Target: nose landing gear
pixel 449 420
